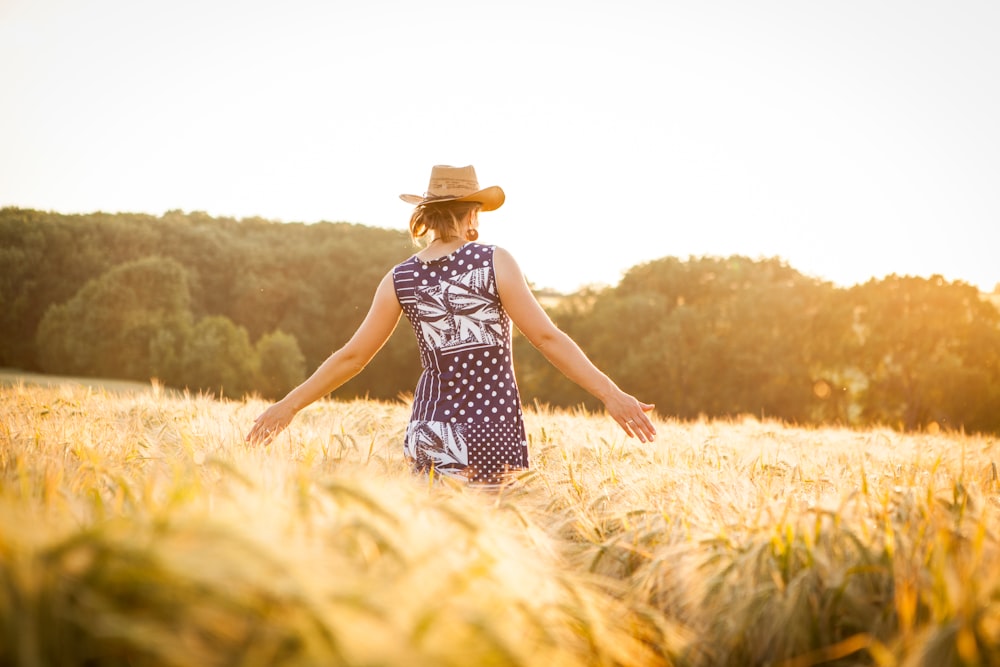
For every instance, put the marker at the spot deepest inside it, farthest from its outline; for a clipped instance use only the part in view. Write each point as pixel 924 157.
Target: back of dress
pixel 466 418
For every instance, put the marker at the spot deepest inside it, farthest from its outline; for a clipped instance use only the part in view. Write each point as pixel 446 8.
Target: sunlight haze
pixel 851 139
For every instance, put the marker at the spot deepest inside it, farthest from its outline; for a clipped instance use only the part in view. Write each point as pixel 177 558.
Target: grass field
pixel 13 377
pixel 136 528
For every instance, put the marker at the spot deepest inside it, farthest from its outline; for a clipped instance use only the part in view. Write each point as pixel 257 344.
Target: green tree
pixel 167 354
pixel 314 281
pixel 46 258
pixel 930 352
pixel 712 336
pixel 281 364
pixel 22 251
pixel 219 359
pixel 128 323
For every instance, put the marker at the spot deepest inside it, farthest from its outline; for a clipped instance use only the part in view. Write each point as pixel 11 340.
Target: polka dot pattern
pixel 466 418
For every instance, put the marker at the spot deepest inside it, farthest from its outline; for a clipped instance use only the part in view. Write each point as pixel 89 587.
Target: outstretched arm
pixel 563 352
pixel 339 367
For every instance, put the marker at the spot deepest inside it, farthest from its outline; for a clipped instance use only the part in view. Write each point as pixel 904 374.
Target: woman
pixel 460 297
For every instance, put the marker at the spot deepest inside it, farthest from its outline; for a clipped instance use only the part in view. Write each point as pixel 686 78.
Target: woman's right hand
pixel 270 423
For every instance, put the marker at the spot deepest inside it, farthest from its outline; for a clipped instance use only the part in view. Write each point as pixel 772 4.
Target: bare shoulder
pixel 503 259
pixel 386 290
pixel 510 280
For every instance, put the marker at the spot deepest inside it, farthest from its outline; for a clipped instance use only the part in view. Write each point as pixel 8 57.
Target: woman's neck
pixel 439 248
pixel 454 240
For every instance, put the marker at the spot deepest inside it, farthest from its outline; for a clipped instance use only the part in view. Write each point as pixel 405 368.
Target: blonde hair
pixel 444 219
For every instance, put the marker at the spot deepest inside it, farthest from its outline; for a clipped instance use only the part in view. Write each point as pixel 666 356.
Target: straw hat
pixel 457 184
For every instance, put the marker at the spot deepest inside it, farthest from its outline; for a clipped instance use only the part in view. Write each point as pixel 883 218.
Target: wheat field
pixel 137 528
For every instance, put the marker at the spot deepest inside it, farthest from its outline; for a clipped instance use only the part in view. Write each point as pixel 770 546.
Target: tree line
pixel 235 307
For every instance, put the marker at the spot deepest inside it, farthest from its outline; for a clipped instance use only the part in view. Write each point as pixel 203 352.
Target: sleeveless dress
pixel 466 419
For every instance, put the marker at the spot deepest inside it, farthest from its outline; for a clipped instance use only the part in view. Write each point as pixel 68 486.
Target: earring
pixel 472 234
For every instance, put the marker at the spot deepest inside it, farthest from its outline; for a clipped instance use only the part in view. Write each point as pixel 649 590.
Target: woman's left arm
pixel 339 367
pixel 563 353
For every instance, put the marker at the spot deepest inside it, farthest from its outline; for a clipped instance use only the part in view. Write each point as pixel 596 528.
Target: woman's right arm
pixel 532 320
pixel 339 367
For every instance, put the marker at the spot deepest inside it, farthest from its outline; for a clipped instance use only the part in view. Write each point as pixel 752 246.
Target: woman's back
pixel 466 417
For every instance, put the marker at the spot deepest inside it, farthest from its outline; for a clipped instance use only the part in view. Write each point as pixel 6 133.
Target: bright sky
pixel 852 138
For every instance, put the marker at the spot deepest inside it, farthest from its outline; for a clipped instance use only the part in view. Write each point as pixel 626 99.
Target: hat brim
pixel 491 198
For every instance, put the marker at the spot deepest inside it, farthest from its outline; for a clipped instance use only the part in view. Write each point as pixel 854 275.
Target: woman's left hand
pixel 269 424
pixel 632 415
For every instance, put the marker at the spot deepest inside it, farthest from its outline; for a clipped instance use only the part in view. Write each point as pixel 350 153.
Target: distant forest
pixel 251 306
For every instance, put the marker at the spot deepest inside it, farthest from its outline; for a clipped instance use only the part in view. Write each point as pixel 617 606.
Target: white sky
pixel 852 138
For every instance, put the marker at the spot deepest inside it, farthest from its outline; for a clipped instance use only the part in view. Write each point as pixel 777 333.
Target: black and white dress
pixel 466 418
